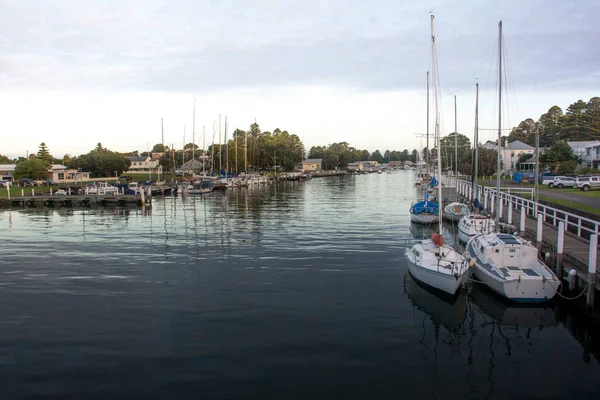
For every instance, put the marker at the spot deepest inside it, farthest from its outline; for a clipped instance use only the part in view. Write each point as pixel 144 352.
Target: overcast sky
pixel 75 73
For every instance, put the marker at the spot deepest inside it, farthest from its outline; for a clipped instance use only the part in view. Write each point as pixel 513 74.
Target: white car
pixel 562 181
pixel 61 192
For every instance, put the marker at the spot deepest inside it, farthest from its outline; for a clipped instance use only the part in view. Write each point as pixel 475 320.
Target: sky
pixel 77 72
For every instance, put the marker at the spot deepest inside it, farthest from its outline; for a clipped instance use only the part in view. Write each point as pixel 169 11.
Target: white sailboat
pixel 508 264
pixel 431 261
pixel 475 223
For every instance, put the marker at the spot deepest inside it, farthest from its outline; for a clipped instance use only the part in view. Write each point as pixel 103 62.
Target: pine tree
pixel 43 153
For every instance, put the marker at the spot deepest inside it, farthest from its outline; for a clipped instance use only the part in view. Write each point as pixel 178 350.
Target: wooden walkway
pixel 77 200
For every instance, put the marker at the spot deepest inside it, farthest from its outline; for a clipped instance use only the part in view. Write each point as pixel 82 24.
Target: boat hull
pixel 444 282
pixel 424 218
pixel 518 290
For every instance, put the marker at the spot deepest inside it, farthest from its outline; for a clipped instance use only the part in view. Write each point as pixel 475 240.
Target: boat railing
pixel 582 226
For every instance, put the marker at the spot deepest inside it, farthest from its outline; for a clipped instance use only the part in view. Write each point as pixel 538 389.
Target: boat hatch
pixel 508 239
pixel 530 272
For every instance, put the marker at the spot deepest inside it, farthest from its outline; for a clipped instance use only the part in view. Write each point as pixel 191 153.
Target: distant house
pixel 312 164
pixel 61 174
pixel 356 166
pixel 7 172
pixel 144 165
pixel 589 151
pixel 592 155
pixel 511 153
pixel 396 164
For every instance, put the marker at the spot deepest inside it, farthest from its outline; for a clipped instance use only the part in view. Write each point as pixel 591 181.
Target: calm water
pixel 296 290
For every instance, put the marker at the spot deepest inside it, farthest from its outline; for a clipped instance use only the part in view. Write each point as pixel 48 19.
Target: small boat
pixel 509 265
pixel 424 212
pixel 455 211
pixel 436 264
pixel 473 224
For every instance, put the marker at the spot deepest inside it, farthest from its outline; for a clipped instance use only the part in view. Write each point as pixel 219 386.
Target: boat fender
pixel 437 239
pixel 472 262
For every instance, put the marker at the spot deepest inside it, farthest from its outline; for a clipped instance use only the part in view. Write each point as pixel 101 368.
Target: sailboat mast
pixel 437 125
pixel 220 166
pixel 162 141
pixel 203 147
pixel 498 166
pixel 476 144
pixel 194 136
pixel 427 134
pixel 455 140
pixel 246 152
pixel 236 151
pixel 226 148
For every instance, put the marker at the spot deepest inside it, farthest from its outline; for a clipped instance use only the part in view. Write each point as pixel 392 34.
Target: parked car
pixel 586 183
pixel 49 182
pixel 24 182
pixel 562 181
pixel 3 183
pixel 39 182
pixel 61 192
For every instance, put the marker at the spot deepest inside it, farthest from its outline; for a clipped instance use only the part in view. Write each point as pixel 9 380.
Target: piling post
pixel 485 195
pixel 22 192
pixel 50 191
pixel 560 244
pixel 142 196
pixel 592 270
pixel 540 224
pixel 522 224
pixel 509 220
pixel 501 206
pixel 492 202
pixel 8 189
pixel 32 192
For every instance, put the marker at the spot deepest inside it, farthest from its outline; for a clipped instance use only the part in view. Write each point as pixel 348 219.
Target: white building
pixel 7 172
pixel 144 165
pixel 589 151
pixel 61 174
pixel 511 153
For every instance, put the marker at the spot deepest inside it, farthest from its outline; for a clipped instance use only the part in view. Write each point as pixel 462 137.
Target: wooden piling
pixel 592 270
pixel 523 215
pixel 509 212
pixel 560 244
pixel 539 236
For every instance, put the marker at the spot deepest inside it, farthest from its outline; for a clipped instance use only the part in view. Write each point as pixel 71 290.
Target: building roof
pixel 518 145
pixel 137 158
pixel 313 160
pixel 191 164
pixel 55 167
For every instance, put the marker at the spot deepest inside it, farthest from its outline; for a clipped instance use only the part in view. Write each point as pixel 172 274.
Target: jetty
pixel 567 241
pixel 77 200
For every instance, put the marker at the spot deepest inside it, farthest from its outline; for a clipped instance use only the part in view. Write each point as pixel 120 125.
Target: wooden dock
pixel 78 200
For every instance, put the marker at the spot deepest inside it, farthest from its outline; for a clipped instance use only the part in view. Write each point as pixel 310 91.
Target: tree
pixel 43 153
pixel 4 160
pixel 487 161
pixel 464 152
pixel 376 156
pixel 550 126
pixel 159 148
pixel 414 156
pixel 567 167
pixel 557 154
pixel 36 168
pixel 99 148
pixel 101 162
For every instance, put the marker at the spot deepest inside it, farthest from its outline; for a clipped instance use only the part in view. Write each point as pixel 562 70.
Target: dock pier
pixel 77 200
pixel 567 242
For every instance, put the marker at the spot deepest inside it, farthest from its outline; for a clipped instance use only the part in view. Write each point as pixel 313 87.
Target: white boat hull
pixel 424 218
pixel 527 281
pixel 446 283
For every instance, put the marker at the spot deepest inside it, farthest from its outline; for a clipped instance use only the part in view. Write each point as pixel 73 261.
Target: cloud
pixel 200 46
